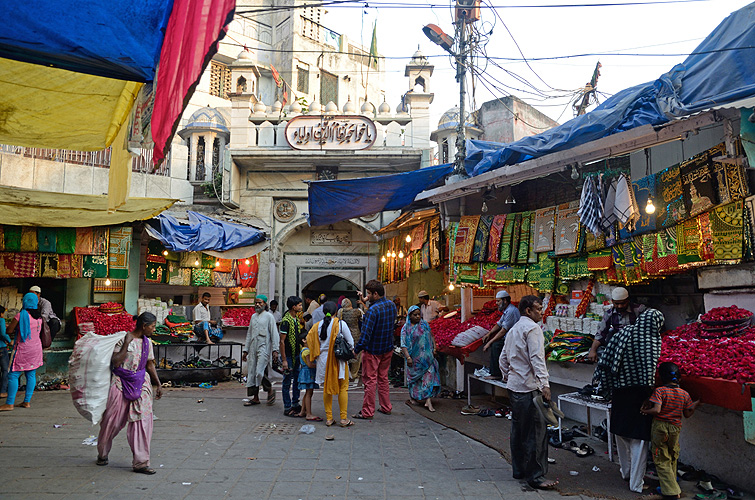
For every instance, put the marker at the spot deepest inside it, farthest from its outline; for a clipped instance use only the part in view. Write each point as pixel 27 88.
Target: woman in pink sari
pixel 130 400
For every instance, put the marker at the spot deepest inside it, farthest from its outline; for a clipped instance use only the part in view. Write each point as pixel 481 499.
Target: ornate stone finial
pixel 349 106
pixel 331 107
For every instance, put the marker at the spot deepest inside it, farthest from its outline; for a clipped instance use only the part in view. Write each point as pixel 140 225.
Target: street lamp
pixel 438 37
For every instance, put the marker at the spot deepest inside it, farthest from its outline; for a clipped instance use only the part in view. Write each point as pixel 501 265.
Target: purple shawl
pixel 132 382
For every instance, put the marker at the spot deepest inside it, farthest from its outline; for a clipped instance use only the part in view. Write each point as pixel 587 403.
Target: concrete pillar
pixel 271 284
pixel 193 157
pixel 466 303
pixel 241 108
pixel 209 139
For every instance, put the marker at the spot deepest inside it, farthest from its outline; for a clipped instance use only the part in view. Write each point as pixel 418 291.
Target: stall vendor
pixel 494 339
pixel 204 327
pixel 429 308
pixel 45 308
pixel 623 313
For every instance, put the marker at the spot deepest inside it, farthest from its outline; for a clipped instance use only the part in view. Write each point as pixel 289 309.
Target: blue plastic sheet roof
pixel 118 39
pixel 721 70
pixel 203 233
pixel 334 201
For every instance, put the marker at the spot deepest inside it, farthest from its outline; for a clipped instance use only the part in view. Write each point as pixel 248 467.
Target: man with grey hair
pixel 262 344
pixel 623 313
pixel 494 339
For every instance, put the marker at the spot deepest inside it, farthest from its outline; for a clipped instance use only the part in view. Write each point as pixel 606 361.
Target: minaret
pixel 418 98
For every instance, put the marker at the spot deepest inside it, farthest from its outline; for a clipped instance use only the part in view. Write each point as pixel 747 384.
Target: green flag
pixel 373 47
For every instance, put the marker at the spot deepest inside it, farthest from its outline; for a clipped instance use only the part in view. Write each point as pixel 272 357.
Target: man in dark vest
pixel 623 313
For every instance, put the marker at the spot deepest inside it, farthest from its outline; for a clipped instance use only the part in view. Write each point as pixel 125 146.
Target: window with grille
pixel 220 80
pixel 302 80
pixel 199 169
pixel 328 88
pixel 444 151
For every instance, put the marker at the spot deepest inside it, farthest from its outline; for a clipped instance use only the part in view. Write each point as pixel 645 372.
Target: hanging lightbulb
pixel 484 207
pixel 451 286
pixel 400 254
pixel 246 262
pixel 107 282
pixel 196 262
pixel 241 292
pixel 650 208
pixel 382 259
pixel 574 172
pixel 217 263
pixel 165 252
pixel 408 238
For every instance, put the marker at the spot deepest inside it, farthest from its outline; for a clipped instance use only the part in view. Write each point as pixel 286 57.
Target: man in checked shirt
pixel 377 343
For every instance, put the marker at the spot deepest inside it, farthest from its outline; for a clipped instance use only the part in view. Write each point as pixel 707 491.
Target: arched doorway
pixel 333 286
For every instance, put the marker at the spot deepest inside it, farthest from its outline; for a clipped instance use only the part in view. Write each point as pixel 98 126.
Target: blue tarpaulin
pixel 203 233
pixel 721 70
pixel 118 39
pixel 334 201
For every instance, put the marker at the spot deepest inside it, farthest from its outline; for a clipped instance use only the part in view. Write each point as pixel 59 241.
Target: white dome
pixel 349 107
pixel 259 107
pixel 450 119
pixel 368 108
pixel 402 107
pixel 384 109
pixel 419 57
pixel 295 107
pixel 331 107
pixel 245 55
pixel 277 106
pixel 315 108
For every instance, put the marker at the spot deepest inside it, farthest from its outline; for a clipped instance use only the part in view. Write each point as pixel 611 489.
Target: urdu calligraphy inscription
pixel 332 133
pixel 330 238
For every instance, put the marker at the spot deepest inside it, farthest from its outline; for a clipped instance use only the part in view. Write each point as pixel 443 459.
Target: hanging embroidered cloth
pixel 246 274
pixel 452 228
pixel 29 239
pixel 224 266
pixel 547 272
pixel 201 277
pixel 625 206
pixel 223 280
pixel 488 273
pixel 593 243
pixel 95 266
pixel 156 272
pixel 566 230
pixel 523 252
pixel 665 258
pixel 480 251
pixel 7 265
pixel 688 243
pixel 544 224
pixel 727 226
pixel 494 240
pixel 48 265
pixel 750 206
pixel 425 256
pixel 118 252
pixel 532 255
pixel 66 243
pixel 435 243
pixel 465 237
pixel 178 275
pixel 506 237
pixel 600 260
pixel 468 273
pixel 84 241
pixel 100 240
pixel 208 261
pixel 190 259
pixel 12 238
pixel 515 235
pixel 698 184
pixel 47 239
pixel 644 189
pixel 2 239
pixel 418 237
pixel 69 266
pixel 609 205
pixel 706 236
pixel 26 265
pixel 731 181
pixel 669 201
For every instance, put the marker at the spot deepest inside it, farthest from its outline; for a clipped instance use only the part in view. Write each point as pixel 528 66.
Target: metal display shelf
pixel 590 404
pixel 198 374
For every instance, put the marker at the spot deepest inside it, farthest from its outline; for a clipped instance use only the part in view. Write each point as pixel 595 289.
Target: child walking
pixel 667 405
pixel 306 381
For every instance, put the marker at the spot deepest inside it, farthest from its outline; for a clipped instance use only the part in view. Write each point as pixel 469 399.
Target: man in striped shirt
pixel 377 343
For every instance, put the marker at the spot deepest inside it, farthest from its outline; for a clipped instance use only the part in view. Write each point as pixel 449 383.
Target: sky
pixel 671 29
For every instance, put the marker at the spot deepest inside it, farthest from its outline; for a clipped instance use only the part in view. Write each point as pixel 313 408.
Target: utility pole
pixel 590 88
pixel 461 76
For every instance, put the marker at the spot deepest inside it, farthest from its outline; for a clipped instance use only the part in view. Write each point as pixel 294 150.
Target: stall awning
pixel 720 71
pixel 201 233
pixel 28 207
pixel 409 220
pixel 334 201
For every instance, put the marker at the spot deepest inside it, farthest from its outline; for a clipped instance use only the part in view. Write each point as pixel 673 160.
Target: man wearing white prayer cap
pixel 429 308
pixel 623 313
pixel 495 338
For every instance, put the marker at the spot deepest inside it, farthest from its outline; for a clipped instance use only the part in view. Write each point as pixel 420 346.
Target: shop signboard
pixel 330 237
pixel 331 133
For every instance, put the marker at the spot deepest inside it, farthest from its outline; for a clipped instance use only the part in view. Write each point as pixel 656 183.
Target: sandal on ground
pixel 314 419
pixel 251 403
pixel 587 449
pixel 102 461
pixel 348 423
pixel 328 423
pixel 145 470
pixel 359 416
pixel 271 398
pixel 545 484
pixel 384 412
pixel 576 449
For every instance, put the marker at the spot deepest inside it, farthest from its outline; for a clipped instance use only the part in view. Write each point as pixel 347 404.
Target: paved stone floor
pixel 221 449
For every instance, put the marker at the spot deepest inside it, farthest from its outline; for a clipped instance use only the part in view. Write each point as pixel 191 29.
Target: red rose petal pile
pixel 731 358
pixel 106 324
pixel 726 314
pixel 238 316
pixel 445 330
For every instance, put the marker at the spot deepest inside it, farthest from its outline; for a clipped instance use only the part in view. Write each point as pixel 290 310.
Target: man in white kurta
pixel 261 346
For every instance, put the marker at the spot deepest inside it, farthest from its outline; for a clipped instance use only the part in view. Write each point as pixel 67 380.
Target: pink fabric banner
pixel 191 39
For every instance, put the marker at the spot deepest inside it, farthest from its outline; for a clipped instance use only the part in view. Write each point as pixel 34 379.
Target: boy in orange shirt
pixel 667 405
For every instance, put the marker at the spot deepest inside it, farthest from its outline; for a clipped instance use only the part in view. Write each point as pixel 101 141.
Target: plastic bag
pixel 307 429
pixel 89 373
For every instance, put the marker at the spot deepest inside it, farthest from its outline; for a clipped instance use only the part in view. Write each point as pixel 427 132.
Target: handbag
pixel 44 335
pixel 342 349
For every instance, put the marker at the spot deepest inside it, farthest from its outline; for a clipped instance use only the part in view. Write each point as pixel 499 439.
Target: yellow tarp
pixel 28 207
pixel 54 108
